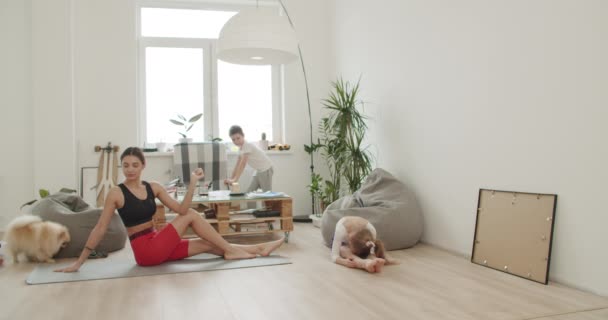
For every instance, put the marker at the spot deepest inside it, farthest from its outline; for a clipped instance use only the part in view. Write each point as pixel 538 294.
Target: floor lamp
pixel 261 37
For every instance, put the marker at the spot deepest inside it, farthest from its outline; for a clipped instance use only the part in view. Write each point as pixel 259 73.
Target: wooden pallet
pixel 227 226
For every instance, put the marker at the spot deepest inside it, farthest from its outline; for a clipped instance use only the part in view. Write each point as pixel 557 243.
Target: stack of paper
pixel 267 194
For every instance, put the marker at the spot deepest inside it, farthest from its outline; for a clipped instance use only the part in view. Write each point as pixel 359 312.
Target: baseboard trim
pixel 552 278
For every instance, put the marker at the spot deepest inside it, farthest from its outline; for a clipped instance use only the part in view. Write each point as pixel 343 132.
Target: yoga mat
pixel 109 268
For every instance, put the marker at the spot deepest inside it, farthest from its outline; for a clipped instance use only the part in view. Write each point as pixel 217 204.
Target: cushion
pixel 385 202
pixel 210 156
pixel 80 218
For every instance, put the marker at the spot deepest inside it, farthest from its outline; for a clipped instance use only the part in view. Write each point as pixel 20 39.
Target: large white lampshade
pixel 257 37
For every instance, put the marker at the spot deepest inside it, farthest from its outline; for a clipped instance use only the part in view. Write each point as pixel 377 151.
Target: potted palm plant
pixel 341 145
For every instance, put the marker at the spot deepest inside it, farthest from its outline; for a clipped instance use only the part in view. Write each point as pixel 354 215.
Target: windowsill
pixel 156 154
pixel 229 153
pixel 269 152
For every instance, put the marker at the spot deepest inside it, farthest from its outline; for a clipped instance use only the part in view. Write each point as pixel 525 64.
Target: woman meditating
pixel 355 245
pixel 134 200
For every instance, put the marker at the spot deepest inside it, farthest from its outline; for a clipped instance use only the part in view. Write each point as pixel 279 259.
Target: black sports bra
pixel 136 211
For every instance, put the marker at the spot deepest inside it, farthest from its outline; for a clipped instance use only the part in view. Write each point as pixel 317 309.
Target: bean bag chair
pixel 386 203
pixel 80 218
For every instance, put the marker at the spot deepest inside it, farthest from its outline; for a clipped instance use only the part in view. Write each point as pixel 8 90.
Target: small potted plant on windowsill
pixel 186 125
pixel 263 143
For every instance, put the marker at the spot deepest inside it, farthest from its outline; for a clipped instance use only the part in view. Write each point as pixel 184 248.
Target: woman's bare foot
pixel 238 253
pixel 262 249
pixel 379 264
pixel 269 247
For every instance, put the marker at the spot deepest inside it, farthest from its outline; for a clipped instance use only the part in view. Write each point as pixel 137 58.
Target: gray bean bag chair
pixel 386 203
pixel 80 218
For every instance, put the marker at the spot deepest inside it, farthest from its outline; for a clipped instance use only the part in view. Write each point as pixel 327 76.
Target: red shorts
pixel 157 247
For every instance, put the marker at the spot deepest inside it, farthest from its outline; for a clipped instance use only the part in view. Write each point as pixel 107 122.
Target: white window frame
pixel 210 92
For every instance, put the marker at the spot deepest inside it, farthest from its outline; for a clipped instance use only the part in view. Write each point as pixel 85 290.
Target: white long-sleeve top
pixel 341 237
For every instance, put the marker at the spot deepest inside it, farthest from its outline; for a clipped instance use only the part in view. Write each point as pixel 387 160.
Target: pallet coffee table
pixel 228 224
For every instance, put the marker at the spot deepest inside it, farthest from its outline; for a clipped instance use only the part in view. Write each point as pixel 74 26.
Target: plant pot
pixel 161 146
pixel 316 221
pixel 185 140
pixel 319 207
pixel 263 144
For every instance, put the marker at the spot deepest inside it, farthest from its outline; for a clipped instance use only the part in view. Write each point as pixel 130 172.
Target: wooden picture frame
pixel 514 232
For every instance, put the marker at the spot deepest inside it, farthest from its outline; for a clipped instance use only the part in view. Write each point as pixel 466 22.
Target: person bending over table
pixel 250 154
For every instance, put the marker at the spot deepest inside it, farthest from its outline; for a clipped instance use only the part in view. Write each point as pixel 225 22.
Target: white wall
pixel 105 76
pixel 311 21
pixel 37 104
pixel 83 92
pixel 16 176
pixel 473 94
pixel 53 118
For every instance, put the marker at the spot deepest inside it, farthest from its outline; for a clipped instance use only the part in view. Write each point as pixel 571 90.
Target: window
pixel 252 104
pixel 174 83
pixel 180 74
pixel 183 23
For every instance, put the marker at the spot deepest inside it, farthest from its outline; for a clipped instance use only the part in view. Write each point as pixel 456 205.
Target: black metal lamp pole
pixel 304 218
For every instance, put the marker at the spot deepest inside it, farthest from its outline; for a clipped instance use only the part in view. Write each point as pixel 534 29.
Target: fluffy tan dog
pixel 38 240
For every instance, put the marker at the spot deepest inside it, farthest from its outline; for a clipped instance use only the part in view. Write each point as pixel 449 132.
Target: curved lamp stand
pixel 312 162
pixel 257 37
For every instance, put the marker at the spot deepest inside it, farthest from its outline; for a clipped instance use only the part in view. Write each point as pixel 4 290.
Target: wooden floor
pixel 428 284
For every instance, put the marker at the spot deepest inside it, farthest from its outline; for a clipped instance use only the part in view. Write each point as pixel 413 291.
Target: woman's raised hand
pixel 197 174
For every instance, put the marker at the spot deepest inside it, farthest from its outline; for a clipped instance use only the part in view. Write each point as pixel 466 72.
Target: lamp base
pixel 302 218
